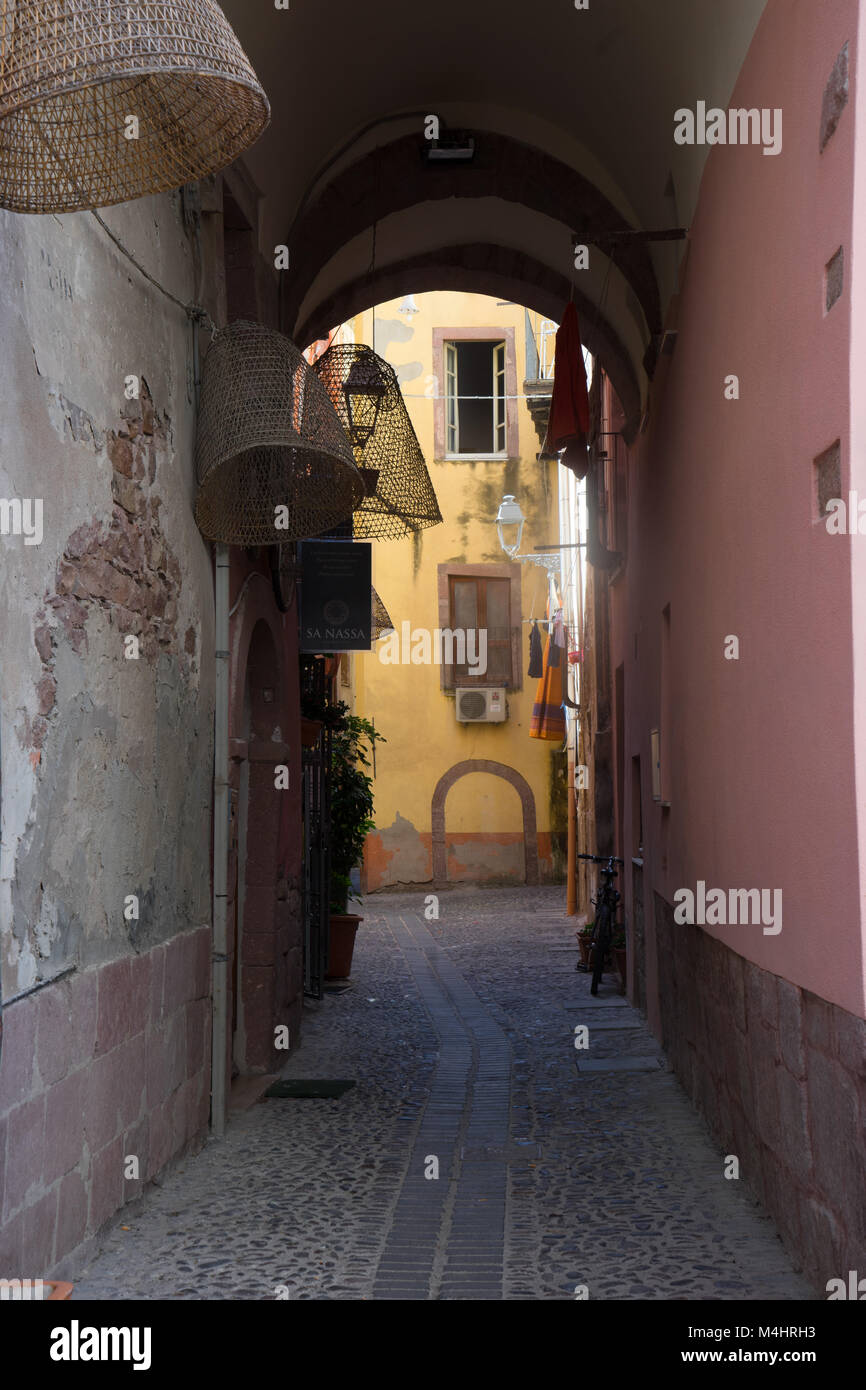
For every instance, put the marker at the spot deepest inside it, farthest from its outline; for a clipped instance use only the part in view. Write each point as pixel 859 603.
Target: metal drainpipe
pixel 221 803
pixel 219 955
pixel 567 562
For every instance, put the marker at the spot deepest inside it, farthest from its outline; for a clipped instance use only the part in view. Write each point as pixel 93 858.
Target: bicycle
pixel 605 904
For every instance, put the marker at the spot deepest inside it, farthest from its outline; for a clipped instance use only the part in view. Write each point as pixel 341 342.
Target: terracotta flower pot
pixel 310 730
pixel 341 946
pixel 585 944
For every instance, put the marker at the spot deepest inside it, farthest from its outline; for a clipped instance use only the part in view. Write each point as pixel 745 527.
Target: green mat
pixel 308 1090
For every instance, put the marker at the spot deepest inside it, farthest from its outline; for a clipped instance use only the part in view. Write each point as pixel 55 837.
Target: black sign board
pixel 336 596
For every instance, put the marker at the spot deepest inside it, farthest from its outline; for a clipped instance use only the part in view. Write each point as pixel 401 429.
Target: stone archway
pixel 527 801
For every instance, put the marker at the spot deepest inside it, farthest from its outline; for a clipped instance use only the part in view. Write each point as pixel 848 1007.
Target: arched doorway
pixel 527 800
pixel 255 881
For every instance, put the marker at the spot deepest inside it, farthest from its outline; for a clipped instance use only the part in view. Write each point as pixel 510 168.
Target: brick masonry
pixel 780 1076
pixel 100 1066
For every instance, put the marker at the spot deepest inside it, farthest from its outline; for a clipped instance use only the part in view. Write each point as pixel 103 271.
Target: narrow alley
pixel 558 1167
pixel 432 638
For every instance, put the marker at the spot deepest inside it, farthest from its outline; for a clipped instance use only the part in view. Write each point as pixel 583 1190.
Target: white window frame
pixel 499 421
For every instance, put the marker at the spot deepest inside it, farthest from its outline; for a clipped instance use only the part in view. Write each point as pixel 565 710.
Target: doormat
pixel 308 1090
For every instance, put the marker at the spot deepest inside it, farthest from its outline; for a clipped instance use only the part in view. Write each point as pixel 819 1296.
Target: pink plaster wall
pixel 723 526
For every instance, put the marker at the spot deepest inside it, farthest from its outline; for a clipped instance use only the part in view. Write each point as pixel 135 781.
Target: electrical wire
pixel 192 311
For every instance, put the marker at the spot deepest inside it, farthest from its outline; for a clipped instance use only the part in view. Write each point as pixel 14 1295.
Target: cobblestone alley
pixel 557 1167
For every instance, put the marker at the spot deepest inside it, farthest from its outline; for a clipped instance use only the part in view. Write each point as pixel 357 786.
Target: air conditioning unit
pixel 480 706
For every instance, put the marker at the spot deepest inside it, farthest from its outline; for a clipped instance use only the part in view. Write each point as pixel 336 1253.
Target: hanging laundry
pixel 548 715
pixel 568 423
pixel 536 653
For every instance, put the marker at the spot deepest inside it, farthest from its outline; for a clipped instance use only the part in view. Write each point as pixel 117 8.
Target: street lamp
pixel 509 524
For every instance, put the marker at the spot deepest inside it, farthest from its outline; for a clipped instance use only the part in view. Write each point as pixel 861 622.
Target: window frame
pixel 513 573
pixel 509 424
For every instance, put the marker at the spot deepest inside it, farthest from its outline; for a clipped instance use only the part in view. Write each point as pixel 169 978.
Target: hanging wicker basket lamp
pixel 273 463
pixel 366 395
pixel 102 102
pixel 382 623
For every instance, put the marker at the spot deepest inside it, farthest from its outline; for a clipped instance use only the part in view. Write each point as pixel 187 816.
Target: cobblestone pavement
pixel 558 1167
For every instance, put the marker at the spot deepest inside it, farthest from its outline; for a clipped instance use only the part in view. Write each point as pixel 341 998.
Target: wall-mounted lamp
pixel 509 525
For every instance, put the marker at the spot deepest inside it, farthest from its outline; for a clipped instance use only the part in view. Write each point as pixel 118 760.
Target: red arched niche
pixel 260 721
pixel 527 801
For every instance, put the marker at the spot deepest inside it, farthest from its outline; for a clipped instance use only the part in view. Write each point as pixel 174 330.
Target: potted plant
pixel 584 941
pixel 351 793
pixel 621 955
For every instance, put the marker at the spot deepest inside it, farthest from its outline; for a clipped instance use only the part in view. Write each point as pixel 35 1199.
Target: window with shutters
pixel 475 600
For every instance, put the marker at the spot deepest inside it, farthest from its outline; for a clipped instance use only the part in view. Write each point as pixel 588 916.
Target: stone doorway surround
pixel 437 817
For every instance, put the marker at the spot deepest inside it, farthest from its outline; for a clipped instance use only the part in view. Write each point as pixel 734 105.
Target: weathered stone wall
pixel 780 1076
pixel 107 751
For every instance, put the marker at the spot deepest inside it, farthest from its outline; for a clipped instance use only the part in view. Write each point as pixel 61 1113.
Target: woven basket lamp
pixel 72 73
pixel 366 395
pixel 381 618
pixel 268 438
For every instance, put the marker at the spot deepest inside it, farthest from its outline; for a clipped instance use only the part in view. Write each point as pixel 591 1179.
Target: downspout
pixel 219 954
pixel 566 557
pixel 219 943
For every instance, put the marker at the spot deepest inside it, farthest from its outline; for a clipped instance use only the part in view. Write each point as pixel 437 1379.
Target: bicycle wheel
pixel 602 945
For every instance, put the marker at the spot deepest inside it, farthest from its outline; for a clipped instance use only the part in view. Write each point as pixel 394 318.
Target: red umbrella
pixel 568 424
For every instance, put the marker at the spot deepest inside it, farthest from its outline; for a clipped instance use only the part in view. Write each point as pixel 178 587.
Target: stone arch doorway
pixel 527 801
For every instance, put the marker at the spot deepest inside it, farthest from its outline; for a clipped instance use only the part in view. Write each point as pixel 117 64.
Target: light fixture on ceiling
pixel 272 459
pixel 101 103
pixel 454 146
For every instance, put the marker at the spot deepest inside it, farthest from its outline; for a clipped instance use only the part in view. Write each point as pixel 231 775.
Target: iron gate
pixel 316 820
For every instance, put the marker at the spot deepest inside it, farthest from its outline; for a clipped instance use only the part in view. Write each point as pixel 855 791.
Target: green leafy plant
pixel 619 939
pixel 351 788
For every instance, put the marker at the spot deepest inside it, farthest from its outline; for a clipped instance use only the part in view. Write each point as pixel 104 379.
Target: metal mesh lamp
pixel 272 460
pixel 382 623
pixel 73 73
pixel 366 395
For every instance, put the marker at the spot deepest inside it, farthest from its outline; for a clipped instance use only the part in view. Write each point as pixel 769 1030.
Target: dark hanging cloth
pixel 568 423
pixel 536 654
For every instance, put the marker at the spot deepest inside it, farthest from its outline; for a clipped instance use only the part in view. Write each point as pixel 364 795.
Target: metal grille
pixel 399 494
pixel 272 461
pixel 316 822
pixel 72 73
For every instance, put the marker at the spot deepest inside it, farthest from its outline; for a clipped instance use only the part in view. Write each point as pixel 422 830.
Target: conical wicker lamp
pixel 268 438
pixel 72 73
pixel 382 623
pixel 366 395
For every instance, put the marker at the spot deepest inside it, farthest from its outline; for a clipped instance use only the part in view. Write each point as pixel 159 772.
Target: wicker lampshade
pixel 400 497
pixel 73 71
pixel 381 618
pixel 268 437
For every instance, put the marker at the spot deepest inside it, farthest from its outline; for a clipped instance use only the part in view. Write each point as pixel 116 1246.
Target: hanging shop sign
pixel 335 596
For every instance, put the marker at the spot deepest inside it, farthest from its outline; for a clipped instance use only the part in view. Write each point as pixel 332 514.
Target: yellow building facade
pixel 473 799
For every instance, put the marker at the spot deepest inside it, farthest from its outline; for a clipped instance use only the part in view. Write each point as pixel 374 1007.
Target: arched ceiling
pixel 572 113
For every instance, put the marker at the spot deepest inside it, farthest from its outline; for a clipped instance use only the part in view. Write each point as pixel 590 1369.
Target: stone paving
pixel 559 1169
